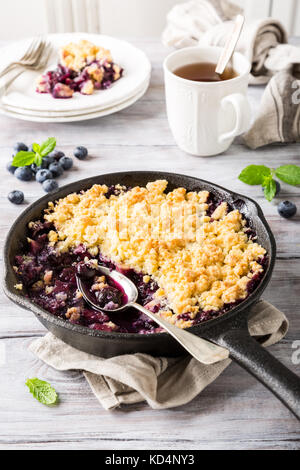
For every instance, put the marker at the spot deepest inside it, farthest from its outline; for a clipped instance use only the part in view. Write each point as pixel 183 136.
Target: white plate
pixel 22 92
pixel 76 117
pixel 54 114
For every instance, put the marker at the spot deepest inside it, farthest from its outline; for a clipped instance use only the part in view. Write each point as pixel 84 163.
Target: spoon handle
pixel 199 348
pixel 230 44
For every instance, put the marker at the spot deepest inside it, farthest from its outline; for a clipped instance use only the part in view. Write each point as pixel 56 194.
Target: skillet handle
pixel 266 368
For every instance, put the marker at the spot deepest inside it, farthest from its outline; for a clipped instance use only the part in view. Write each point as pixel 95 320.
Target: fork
pixel 33 58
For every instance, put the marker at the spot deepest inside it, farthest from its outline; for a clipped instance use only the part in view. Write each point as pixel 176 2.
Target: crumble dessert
pixel 192 257
pixel 83 67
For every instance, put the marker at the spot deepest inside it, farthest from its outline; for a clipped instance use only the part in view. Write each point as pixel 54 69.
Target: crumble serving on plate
pixel 83 67
pixel 192 257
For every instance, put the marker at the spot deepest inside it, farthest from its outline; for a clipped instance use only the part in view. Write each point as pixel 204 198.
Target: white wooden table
pixel 235 411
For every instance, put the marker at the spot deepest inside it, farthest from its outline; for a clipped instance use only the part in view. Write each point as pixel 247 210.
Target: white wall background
pixel 21 18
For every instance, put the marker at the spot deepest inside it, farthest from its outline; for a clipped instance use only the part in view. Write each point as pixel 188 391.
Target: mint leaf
pixel 48 146
pixel 254 174
pixel 23 158
pixel 42 391
pixel 270 190
pixel 36 148
pixel 289 174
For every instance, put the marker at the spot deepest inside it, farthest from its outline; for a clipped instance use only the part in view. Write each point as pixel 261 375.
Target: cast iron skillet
pixel 229 330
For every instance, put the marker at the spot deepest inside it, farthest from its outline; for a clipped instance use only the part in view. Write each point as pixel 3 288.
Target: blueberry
pixel 23 173
pixel 35 168
pixel 80 153
pixel 56 155
pixel 50 186
pixel 48 160
pixel 287 209
pixel 11 168
pixel 86 271
pixel 20 146
pixel 66 163
pixel 56 169
pixel 278 187
pixel 16 197
pixel 43 175
pixel 107 295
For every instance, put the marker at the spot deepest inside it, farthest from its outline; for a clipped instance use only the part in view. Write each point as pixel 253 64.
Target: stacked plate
pixel 23 102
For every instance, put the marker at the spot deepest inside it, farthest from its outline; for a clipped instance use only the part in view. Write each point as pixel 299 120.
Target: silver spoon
pixel 199 348
pixel 230 44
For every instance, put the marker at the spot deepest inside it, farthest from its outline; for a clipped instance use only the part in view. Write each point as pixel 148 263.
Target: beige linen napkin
pixel 161 382
pixel 278 118
pixel 208 22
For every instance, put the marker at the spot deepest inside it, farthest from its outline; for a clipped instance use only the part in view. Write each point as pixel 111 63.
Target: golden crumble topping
pixel 18 286
pixel 76 55
pixel 199 262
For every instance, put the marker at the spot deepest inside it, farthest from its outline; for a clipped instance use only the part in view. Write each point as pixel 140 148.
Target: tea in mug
pixel 204 72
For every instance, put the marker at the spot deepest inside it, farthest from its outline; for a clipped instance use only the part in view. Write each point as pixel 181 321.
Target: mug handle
pixel 242 112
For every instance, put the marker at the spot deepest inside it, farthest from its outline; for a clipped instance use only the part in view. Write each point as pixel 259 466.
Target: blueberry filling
pixel 50 282
pixel 63 81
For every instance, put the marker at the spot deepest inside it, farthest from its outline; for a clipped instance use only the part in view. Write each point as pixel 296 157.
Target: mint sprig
pixel 42 391
pixel 23 158
pixel 264 176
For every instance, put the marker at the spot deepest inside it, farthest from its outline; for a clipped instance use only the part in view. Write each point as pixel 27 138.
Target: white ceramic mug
pixel 205 117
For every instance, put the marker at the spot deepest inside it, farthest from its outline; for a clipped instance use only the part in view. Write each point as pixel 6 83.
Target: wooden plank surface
pixel 235 411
